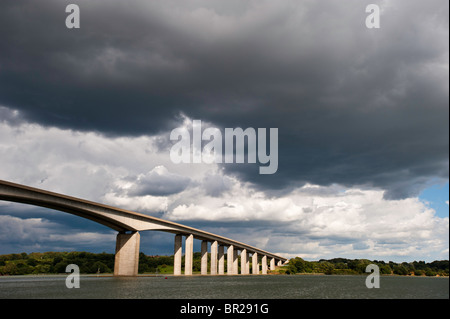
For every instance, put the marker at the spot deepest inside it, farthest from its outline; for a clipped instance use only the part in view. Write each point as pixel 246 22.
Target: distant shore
pixel 53 263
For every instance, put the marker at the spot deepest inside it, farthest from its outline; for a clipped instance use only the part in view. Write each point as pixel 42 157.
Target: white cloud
pixel 148 204
pixel 84 238
pixel 355 222
pixel 136 174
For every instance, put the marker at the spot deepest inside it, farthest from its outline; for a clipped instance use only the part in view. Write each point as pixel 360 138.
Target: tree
pixel 400 270
pixel 385 269
pixel 429 272
pixel 99 267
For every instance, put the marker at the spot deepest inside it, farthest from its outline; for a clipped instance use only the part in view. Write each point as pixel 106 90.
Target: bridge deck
pixel 116 218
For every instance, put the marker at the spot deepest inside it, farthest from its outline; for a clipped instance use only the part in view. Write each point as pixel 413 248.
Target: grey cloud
pixel 9 116
pixel 215 185
pixel 360 246
pixel 353 106
pixel 159 182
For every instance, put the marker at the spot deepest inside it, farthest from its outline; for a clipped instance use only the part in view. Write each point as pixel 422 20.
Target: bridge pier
pixel 204 258
pixel 126 261
pixel 247 263
pixel 255 264
pixel 214 257
pixel 272 263
pixel 264 265
pixel 189 255
pixel 230 258
pixel 244 259
pixel 235 268
pixel 127 257
pixel 218 259
pixel 221 260
pixel 177 255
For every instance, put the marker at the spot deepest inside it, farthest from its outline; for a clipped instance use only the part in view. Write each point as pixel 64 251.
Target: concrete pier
pixel 221 260
pixel 235 268
pixel 255 264
pixel 218 259
pixel 214 257
pixel 244 262
pixel 127 254
pixel 264 265
pixel 230 259
pixel 247 263
pixel 127 257
pixel 204 258
pixel 189 255
pixel 177 255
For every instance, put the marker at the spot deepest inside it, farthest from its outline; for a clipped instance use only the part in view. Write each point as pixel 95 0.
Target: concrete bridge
pixel 129 224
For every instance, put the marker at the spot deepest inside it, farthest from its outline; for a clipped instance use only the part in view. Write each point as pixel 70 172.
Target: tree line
pixel 344 266
pixel 91 263
pixel 55 263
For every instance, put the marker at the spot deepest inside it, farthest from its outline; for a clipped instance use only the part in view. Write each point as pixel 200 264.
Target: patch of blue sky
pixel 436 197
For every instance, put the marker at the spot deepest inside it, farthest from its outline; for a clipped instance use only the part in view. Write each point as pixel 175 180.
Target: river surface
pixel 224 287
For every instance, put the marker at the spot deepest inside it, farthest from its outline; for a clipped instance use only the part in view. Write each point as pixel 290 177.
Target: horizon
pixel 197 252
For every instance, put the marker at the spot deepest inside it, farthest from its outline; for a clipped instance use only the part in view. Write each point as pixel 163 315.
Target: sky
pixel 362 117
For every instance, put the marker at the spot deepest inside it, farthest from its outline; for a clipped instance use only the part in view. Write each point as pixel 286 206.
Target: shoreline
pixel 224 275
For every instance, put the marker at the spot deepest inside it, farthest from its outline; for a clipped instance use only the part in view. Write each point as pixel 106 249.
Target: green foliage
pixel 154 264
pixel 343 266
pixel 55 263
pixel 90 263
pixel 298 265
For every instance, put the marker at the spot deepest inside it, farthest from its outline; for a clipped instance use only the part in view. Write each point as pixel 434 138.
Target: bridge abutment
pixel 127 254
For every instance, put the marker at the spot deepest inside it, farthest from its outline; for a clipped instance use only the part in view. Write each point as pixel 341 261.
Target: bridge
pixel 128 224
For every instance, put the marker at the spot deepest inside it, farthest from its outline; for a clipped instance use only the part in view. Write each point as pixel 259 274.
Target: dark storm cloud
pixel 353 106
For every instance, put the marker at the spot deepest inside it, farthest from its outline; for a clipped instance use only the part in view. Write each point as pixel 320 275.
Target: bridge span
pixel 128 224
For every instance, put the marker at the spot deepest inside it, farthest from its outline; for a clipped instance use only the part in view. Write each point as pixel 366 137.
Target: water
pixel 224 287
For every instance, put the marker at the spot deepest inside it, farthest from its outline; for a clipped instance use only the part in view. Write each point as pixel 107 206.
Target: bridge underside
pixel 128 224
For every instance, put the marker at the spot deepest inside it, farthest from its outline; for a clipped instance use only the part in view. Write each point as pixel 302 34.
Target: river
pixel 224 287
